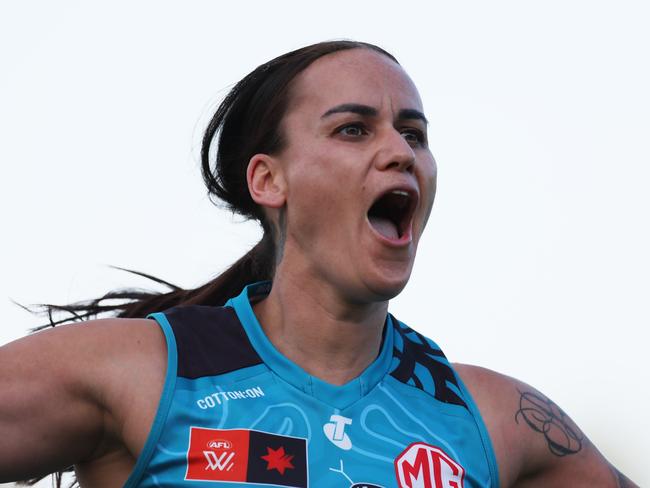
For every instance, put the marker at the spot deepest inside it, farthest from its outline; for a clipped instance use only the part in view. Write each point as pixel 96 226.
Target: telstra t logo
pixel 335 431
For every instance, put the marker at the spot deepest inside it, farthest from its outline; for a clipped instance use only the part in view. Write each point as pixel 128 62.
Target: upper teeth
pixel 400 192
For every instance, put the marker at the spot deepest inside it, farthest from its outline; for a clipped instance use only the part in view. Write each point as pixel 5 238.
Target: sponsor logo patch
pixel 335 431
pixel 246 456
pixel 422 465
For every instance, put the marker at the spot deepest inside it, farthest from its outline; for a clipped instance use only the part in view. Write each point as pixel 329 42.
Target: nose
pixel 395 153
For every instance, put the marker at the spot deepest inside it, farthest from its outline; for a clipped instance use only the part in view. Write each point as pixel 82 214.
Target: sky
pixel 535 261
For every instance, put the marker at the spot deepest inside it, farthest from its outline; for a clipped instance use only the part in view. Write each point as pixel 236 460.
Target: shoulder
pixel 84 347
pixel 106 353
pixel 98 359
pixel 103 341
pixel 535 442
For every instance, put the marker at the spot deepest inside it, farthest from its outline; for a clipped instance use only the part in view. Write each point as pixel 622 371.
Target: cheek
pixel 429 177
pixel 315 202
pixel 431 170
pixel 433 184
pixel 319 180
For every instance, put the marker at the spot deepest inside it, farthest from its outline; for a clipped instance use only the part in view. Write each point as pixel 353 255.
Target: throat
pixel 336 350
pixel 384 226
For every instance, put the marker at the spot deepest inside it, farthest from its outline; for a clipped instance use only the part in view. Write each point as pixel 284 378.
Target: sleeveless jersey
pixel 235 412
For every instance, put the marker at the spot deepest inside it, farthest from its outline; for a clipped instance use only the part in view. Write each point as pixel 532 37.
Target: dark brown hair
pixel 247 122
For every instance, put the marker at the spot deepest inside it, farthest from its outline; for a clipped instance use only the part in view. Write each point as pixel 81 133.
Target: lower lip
pixel 401 242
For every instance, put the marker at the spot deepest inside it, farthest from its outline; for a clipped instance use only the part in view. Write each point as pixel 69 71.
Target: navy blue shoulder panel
pixel 210 341
pixel 422 364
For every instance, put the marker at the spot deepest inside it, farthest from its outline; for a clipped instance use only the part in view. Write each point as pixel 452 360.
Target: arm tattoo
pixel 544 416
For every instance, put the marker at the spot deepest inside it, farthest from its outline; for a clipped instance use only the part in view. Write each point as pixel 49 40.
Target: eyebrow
pixel 368 111
pixel 355 108
pixel 411 113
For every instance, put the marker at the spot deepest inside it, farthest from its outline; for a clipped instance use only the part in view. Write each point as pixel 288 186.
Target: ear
pixel 266 182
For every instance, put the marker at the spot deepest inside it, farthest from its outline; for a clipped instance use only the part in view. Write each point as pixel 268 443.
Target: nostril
pixel 393 165
pixel 406 164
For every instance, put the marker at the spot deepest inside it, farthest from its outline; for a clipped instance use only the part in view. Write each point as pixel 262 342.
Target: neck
pixel 309 323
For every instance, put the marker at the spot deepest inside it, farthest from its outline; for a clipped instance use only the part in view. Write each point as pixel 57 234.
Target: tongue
pixel 384 226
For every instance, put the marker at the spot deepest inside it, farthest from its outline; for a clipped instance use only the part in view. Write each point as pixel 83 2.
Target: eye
pixel 352 130
pixel 415 137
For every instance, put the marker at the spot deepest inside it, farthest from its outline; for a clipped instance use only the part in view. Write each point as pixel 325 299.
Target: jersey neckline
pixel 337 396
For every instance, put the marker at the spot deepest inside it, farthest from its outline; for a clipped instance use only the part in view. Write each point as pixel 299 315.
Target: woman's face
pixel 360 179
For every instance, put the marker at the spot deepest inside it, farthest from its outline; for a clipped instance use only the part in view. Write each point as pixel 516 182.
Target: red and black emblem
pixel 246 456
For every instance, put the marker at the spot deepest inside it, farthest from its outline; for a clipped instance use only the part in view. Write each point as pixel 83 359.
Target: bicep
pixel 49 419
pixel 536 443
pixel 558 452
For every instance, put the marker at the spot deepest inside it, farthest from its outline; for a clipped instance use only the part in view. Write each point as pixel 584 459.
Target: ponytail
pixel 258 264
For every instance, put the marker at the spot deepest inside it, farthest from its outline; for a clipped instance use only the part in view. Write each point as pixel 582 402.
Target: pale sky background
pixel 535 262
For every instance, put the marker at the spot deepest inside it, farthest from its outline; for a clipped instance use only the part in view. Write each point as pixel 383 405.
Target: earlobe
pixel 266 181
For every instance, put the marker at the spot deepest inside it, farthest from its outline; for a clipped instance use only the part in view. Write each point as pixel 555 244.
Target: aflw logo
pixel 221 462
pixel 424 466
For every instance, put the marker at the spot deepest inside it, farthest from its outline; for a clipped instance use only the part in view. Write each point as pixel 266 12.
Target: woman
pixel 305 380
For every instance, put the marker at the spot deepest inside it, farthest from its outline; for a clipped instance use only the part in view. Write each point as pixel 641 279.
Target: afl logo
pixel 424 466
pixel 219 444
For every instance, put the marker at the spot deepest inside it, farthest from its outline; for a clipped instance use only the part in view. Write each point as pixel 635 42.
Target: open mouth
pixel 391 214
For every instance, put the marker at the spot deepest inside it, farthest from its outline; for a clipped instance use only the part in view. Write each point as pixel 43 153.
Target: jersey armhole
pixel 485 436
pixel 163 405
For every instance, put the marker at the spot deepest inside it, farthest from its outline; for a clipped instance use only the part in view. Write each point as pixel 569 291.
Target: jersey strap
pixel 210 341
pixel 166 400
pixel 419 362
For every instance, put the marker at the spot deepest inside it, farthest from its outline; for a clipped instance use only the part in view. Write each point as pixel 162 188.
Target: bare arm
pixel 537 445
pixel 58 392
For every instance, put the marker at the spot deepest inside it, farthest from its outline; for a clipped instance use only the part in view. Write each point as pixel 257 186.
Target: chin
pixel 385 288
pixel 386 280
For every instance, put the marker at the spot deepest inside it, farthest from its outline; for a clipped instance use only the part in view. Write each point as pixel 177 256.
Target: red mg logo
pixel 424 466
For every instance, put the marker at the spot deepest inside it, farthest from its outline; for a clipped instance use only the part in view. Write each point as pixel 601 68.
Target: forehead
pixel 354 76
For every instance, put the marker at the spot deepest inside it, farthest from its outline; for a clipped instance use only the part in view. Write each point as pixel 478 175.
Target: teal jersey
pixel 235 412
